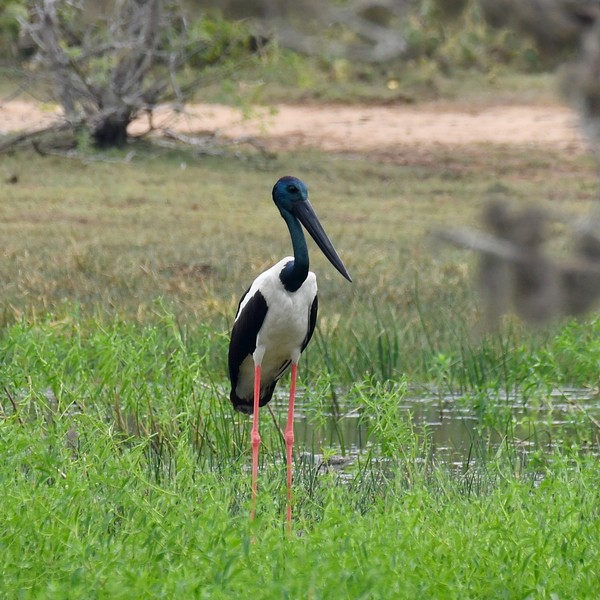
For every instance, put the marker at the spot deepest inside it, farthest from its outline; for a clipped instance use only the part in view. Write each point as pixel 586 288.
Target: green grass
pixel 125 470
pixel 125 474
pixel 117 236
pixel 96 525
pixel 135 240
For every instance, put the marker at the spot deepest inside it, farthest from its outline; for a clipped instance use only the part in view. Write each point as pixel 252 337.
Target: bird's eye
pixel 293 189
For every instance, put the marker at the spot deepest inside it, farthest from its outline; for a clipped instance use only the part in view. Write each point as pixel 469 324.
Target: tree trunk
pixel 111 130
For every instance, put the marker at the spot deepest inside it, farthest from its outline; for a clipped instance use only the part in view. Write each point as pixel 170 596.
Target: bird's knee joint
pixel 255 438
pixel 289 438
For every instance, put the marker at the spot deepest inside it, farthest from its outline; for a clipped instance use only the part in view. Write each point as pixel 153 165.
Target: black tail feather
pixel 246 406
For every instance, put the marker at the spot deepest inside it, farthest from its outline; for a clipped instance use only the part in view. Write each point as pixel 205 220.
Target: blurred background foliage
pixel 259 40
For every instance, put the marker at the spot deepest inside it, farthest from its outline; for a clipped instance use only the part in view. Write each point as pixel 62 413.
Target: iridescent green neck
pixel 294 274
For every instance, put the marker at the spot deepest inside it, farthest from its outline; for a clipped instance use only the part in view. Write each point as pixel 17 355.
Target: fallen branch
pixel 23 138
pixel 208 142
pixel 481 242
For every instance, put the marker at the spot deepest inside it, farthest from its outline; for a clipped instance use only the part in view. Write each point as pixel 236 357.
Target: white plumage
pixel 284 329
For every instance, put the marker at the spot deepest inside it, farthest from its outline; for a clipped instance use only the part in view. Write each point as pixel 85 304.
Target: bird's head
pixel 291 198
pixel 288 191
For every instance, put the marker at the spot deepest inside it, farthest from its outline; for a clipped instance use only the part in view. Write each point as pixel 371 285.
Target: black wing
pixel 312 321
pixel 243 343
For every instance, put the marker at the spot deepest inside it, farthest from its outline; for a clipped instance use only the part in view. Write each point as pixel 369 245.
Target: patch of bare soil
pixel 350 128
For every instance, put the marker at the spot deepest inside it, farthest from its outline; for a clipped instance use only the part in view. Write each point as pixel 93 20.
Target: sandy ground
pixel 350 128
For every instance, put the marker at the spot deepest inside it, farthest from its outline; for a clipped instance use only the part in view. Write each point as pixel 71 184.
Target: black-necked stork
pixel 275 320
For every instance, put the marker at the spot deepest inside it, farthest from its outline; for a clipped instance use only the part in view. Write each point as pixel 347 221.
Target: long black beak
pixel 307 216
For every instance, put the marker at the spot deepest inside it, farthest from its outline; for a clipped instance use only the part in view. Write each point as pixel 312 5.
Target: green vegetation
pixel 450 53
pixel 187 233
pixel 450 48
pixel 125 472
pixel 123 475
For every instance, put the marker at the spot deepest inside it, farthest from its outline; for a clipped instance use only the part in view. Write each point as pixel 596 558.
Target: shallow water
pixel 456 430
pixel 459 430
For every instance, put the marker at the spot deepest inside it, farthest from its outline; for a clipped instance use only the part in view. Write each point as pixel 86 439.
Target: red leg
pixel 289 442
pixel 255 438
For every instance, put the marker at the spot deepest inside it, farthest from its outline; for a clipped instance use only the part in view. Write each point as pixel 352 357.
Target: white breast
pixel 285 326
